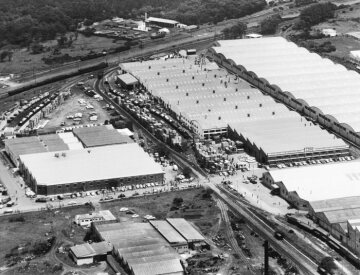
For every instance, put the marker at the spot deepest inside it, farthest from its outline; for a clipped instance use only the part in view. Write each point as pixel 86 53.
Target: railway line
pixel 305 265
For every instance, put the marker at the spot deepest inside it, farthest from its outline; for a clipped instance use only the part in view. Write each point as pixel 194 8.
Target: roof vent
pixel 209 110
pixel 224 98
pixel 248 115
pixel 203 84
pixel 177 86
pixel 219 117
pixel 248 97
pixel 149 67
pixel 193 77
pixel 187 94
pixel 273 113
pixel 236 106
pixel 260 105
pixel 167 80
pixel 158 73
pixel 236 90
pixel 197 101
pixel 63 154
pixel 213 91
pixel 183 71
pixel 214 75
pixel 56 155
pixel 89 151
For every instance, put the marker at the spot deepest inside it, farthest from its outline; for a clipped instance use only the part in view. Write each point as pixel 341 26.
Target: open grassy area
pixel 196 207
pixel 23 235
pixel 24 61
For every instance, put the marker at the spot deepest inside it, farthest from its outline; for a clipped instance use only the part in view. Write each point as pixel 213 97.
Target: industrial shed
pixel 100 136
pixel 162 22
pixel 86 253
pixel 326 92
pixel 140 249
pixel 171 235
pixel 127 80
pixel 34 144
pixel 213 102
pixel 89 169
pixel 301 186
pixel 190 234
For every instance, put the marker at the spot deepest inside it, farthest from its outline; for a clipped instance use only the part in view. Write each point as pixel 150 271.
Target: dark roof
pixel 100 136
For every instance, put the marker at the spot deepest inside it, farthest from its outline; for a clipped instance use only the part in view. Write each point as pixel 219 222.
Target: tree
pixel 317 13
pixel 269 25
pixel 235 31
pixel 3 55
pixel 178 201
pixel 187 172
pixel 37 48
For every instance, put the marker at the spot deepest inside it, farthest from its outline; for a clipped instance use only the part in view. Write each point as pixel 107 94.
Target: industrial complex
pixel 314 86
pixel 212 102
pixel 89 158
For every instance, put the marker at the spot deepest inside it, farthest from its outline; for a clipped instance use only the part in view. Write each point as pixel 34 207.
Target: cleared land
pixel 25 236
pixel 72 106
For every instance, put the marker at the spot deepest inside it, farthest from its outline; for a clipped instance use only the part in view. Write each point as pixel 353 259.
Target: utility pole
pixel 266 257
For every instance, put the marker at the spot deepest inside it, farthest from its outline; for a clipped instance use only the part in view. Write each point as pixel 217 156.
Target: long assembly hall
pixel 211 101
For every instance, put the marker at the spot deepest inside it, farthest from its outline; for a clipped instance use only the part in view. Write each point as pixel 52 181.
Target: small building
pixel 88 253
pixel 87 219
pixel 167 23
pixel 171 235
pixel 253 35
pixel 329 32
pixel 127 81
pixel 164 30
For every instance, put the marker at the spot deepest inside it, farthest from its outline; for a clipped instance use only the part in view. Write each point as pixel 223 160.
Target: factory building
pixel 212 102
pixel 328 192
pixel 100 136
pixel 140 249
pixel 325 92
pixel 93 168
pixel 162 22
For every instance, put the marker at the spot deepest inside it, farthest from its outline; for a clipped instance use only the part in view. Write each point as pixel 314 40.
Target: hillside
pixel 25 21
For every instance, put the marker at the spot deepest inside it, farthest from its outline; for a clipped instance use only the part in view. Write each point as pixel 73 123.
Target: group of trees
pixel 235 31
pixel 23 22
pixel 269 25
pixel 315 14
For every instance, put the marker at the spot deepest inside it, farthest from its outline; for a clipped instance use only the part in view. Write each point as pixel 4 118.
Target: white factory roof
pixel 161 20
pixel 91 164
pixel 186 229
pixel 128 79
pixel 318 81
pixel 216 99
pixel 324 182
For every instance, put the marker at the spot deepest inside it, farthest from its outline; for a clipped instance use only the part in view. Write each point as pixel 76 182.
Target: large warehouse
pixel 89 169
pixel 213 102
pixel 301 186
pixel 326 92
pixel 330 193
pixel 140 248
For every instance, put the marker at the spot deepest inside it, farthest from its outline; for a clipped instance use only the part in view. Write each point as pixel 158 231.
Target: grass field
pixel 203 212
pixel 24 61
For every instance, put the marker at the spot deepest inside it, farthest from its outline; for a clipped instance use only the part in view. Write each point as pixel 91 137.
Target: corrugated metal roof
pixel 169 232
pixel 335 204
pixel 83 250
pixel 186 229
pixel 157 268
pixel 127 79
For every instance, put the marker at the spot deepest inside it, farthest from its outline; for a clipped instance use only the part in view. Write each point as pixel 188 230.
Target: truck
pixel 157 35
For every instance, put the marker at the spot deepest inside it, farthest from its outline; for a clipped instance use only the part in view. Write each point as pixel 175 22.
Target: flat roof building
pixel 89 169
pixel 85 253
pixel 127 80
pixel 100 136
pixel 162 22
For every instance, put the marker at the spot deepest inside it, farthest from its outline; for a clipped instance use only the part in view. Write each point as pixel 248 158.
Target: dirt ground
pixel 39 226
pixel 72 106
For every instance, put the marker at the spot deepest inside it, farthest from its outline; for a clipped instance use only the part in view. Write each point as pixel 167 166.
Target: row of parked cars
pixel 317 161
